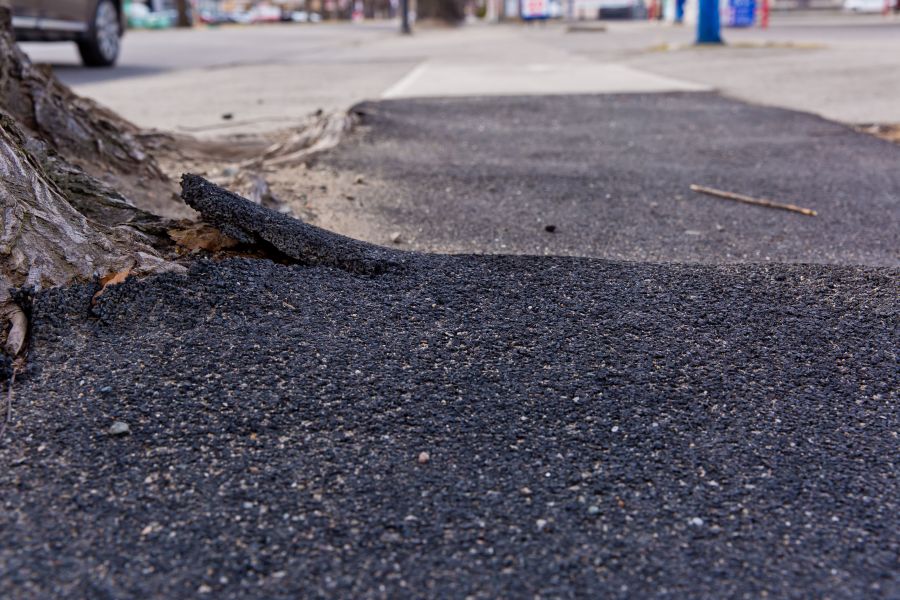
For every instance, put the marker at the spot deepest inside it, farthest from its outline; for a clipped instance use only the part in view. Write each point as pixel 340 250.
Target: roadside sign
pixel 535 9
pixel 741 13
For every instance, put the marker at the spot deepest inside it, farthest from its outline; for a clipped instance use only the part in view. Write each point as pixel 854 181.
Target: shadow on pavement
pixel 75 74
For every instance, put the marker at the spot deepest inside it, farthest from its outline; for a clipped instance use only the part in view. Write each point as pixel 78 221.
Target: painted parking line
pixel 434 78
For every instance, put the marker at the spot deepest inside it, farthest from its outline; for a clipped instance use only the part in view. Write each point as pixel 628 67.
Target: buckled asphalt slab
pixel 486 426
pixel 468 426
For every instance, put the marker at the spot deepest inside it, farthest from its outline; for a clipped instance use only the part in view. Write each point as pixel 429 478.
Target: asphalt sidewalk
pixel 706 408
pixel 611 176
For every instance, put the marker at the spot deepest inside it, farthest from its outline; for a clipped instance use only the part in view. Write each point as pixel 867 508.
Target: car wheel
pixel 101 46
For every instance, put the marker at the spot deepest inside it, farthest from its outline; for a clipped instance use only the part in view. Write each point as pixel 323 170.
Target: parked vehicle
pixel 96 26
pixel 609 9
pixel 214 16
pixel 301 16
pixel 139 16
pixel 262 13
pixel 864 6
pixel 622 9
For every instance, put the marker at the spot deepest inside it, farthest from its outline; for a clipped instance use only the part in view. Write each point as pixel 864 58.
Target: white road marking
pixel 397 90
pixel 445 78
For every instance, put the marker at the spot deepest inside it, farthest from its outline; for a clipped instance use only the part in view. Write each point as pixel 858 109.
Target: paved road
pixel 846 68
pixel 146 53
pixel 265 77
pixel 612 175
pixel 458 427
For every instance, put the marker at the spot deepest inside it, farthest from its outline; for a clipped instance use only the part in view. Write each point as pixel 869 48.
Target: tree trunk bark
pixel 85 134
pixel 449 11
pixel 58 223
pixel 184 14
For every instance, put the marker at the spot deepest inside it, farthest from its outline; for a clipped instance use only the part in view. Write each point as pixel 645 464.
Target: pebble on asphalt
pixel 424 457
pixel 119 428
pixel 550 228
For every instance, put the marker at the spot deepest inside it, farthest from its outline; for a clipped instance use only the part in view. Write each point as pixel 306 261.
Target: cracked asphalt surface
pixel 612 173
pixel 382 424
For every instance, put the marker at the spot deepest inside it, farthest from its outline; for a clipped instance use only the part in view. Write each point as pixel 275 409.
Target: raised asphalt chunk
pixel 252 224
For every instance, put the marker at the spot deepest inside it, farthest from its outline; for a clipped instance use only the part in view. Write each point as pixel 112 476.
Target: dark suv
pixel 95 25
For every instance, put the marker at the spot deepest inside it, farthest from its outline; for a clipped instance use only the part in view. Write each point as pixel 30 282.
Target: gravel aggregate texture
pixel 592 429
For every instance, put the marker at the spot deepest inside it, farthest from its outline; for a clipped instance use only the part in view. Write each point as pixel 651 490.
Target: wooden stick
pixel 751 200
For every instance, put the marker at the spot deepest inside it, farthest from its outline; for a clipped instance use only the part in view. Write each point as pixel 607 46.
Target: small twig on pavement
pixel 751 200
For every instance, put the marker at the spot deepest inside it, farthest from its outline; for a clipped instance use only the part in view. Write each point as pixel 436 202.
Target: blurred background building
pixel 165 13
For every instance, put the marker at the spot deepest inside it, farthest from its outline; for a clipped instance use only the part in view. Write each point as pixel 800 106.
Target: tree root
pixel 252 224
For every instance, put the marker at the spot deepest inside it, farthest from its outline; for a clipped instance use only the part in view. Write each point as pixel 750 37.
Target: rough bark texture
pixel 320 131
pixel 45 241
pixel 88 136
pixel 184 13
pixel 77 180
pixel 448 11
pixel 59 224
pixel 252 224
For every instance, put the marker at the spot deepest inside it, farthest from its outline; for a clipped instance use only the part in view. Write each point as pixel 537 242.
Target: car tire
pixel 100 47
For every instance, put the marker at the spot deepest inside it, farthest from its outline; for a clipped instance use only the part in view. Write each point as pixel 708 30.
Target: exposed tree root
pixel 85 134
pixel 80 189
pixel 254 225
pixel 885 131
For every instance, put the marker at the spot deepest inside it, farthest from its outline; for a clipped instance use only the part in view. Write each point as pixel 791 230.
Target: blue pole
pixel 708 23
